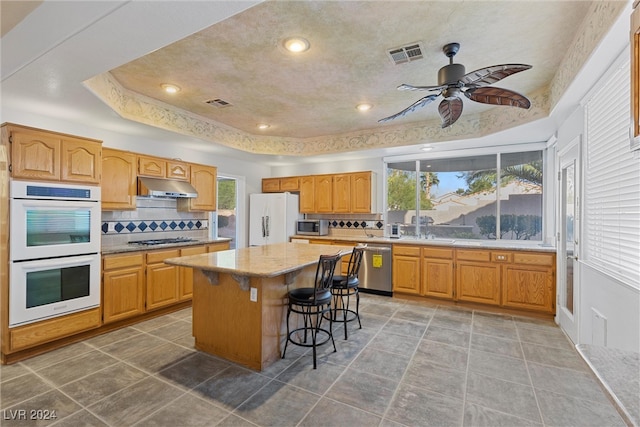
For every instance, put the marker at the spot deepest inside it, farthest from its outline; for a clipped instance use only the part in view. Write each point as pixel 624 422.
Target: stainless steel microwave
pixel 312 227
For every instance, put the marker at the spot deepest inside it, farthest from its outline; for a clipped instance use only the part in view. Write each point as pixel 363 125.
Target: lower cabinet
pixel 437 272
pixel 185 286
pixel 122 286
pixel 162 279
pixel 406 269
pixel 514 279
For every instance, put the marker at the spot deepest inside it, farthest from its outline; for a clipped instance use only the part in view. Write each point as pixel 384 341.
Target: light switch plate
pixel 253 294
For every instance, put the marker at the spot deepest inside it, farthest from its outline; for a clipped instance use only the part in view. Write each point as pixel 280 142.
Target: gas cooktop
pixel 152 242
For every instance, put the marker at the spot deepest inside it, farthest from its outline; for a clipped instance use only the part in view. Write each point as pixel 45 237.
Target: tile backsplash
pixel 154 218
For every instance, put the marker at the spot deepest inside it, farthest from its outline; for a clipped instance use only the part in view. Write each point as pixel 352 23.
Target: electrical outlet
pixel 253 294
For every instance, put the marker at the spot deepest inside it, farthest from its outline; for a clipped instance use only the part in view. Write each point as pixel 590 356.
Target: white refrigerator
pixel 272 217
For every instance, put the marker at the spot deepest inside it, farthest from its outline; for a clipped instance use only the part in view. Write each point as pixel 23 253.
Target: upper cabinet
pixel 178 170
pixel 205 180
pixel 353 192
pixel 51 156
pixel 118 180
pixel 152 166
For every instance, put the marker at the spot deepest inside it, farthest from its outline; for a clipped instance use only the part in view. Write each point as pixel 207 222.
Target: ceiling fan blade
pixel 429 88
pixel 418 104
pixel 497 96
pixel 450 110
pixel 490 75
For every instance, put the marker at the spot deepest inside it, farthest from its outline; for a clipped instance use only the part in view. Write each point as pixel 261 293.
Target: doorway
pixel 567 311
pixel 226 223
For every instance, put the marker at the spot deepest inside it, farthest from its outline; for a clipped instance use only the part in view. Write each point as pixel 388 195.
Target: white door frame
pixel 568 247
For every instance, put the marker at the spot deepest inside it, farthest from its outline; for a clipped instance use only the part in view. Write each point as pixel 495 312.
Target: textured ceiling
pixel 314 94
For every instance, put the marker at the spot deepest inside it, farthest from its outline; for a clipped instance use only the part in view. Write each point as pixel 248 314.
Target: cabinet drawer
pixel 533 258
pixel 437 253
pixel 500 257
pixel 195 250
pixel 51 330
pixel 159 256
pixel 406 250
pixel 122 261
pixel 216 247
pixel 469 255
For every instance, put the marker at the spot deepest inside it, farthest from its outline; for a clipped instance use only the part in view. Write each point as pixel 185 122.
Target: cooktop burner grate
pixel 151 242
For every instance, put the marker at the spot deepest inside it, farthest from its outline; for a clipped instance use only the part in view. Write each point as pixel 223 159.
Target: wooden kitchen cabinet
pixel 291 183
pixel 215 247
pixel 162 279
pixel 307 194
pixel 477 279
pixel 529 282
pixel 271 185
pixel 341 193
pixel 406 269
pixel 152 166
pixel 323 191
pixel 185 286
pixel 50 156
pixel 362 192
pixel 437 272
pixel 118 180
pixel 123 293
pixel 178 170
pixel 205 180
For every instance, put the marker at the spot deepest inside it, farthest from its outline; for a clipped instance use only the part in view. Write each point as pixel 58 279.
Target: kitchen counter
pixel 239 297
pixel 513 245
pixel 115 249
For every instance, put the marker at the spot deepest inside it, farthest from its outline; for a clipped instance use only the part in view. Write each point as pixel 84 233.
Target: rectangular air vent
pixel 220 103
pixel 404 54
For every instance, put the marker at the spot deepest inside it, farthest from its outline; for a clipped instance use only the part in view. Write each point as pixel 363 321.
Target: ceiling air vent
pixel 220 103
pixel 408 53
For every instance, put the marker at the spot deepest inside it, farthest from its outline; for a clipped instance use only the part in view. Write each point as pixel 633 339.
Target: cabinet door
pixel 118 180
pixel 528 287
pixel 185 288
pixel 151 166
pixel 34 154
pixel 361 192
pixel 437 277
pixel 205 180
pixel 406 274
pixel 323 193
pixel 122 294
pixel 478 282
pixel 270 185
pixel 291 183
pixel 342 193
pixel 307 194
pixel 177 170
pixel 81 161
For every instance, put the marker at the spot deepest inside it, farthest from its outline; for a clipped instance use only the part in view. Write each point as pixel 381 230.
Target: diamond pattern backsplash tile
pixel 353 224
pixel 149 226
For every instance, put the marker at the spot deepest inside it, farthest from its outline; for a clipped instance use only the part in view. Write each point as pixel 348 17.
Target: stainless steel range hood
pixel 156 187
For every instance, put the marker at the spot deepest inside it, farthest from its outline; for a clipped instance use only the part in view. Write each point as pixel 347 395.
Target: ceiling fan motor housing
pixel 450 74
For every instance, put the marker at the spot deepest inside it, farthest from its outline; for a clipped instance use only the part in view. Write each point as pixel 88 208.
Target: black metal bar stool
pixel 313 304
pixel 344 287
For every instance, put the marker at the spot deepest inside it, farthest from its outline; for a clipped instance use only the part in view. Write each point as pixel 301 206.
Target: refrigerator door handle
pixel 268 231
pixel 264 231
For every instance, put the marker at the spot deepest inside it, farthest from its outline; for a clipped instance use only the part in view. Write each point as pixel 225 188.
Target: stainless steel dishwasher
pixel 375 271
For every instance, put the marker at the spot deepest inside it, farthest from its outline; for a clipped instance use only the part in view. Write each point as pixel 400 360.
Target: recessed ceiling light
pixel 263 126
pixel 363 107
pixel 296 44
pixel 427 148
pixel 170 88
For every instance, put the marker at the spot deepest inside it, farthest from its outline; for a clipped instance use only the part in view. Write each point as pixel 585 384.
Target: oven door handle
pixel 39 264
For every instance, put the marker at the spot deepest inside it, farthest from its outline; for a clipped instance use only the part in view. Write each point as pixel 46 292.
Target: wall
pixel 615 301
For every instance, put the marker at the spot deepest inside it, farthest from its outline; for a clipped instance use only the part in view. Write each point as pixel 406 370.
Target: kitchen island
pixel 239 297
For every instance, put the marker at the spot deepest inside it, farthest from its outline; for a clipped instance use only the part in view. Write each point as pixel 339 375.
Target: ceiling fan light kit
pixel 452 81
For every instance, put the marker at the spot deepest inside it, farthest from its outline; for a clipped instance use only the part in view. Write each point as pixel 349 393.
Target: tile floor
pixel 412 364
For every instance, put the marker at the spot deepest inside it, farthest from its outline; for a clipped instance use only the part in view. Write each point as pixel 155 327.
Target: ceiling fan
pixel 452 81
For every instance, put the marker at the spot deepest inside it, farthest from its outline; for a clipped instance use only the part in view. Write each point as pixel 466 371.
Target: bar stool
pixel 344 287
pixel 313 304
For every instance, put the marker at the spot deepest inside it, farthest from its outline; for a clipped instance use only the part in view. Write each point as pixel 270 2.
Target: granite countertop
pixel 518 245
pixel 260 261
pixel 125 247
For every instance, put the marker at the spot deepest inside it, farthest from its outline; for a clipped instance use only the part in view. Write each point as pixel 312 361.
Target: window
pixel 459 197
pixel 612 180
